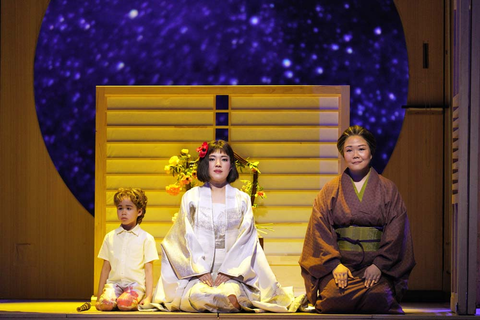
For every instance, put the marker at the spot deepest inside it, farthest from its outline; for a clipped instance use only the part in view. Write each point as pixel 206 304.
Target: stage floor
pixel 61 310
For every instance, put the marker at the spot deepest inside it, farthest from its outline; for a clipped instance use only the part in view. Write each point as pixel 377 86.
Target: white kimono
pixel 207 238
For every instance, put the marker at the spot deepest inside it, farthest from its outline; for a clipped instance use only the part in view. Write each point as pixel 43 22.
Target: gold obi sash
pixel 355 238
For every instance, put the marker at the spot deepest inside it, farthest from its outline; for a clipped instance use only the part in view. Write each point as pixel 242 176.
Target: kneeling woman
pixel 211 258
pixel 358 250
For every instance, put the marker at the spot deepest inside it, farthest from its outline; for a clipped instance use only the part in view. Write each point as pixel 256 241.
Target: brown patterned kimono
pixel 337 205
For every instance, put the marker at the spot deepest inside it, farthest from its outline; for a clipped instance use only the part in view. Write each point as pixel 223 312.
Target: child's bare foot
pixel 233 300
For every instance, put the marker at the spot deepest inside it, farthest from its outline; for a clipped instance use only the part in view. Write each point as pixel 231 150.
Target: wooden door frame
pixel 465 219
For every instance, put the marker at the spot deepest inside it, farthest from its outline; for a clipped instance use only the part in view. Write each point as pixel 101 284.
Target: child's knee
pixel 128 301
pixel 104 304
pixel 107 301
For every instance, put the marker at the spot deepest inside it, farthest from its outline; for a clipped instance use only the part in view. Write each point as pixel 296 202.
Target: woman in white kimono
pixel 211 258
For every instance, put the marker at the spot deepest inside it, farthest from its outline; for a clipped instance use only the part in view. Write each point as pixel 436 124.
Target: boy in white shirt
pixel 128 252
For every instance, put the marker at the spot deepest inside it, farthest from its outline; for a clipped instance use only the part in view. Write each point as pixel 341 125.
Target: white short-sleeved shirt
pixel 128 252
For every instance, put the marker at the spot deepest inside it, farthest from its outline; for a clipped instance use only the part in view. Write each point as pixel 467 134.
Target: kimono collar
pixel 369 193
pixel 368 173
pixel 205 194
pixel 346 180
pixel 372 173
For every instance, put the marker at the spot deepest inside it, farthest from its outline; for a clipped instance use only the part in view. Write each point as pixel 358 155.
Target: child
pixel 128 253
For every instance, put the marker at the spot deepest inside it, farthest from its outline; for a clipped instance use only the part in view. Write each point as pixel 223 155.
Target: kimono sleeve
pixel 395 255
pixel 181 245
pixel 238 261
pixel 320 254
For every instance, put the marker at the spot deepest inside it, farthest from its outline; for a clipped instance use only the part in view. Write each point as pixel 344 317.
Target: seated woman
pixel 358 250
pixel 211 258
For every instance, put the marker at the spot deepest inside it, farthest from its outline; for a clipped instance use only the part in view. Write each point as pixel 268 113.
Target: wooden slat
pixel 159 102
pixel 274 198
pixel 166 149
pixel 156 166
pixel 139 165
pixel 142 149
pixel 266 214
pixel 278 246
pixel 155 198
pixel 298 165
pixel 288 198
pixel 100 180
pixel 268 181
pixel 153 213
pixel 294 117
pixel 284 102
pixel 290 133
pixel 263 214
pixel 121 133
pixel 300 182
pixel 288 230
pixel 160 118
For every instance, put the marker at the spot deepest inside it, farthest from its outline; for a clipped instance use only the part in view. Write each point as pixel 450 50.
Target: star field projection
pixel 184 42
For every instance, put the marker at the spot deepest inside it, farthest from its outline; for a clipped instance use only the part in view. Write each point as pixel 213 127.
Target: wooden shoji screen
pixel 291 130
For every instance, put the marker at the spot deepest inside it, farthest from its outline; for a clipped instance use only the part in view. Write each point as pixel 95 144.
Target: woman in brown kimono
pixel 358 250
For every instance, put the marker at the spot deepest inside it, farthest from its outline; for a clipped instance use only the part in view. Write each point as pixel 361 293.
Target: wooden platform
pixel 62 310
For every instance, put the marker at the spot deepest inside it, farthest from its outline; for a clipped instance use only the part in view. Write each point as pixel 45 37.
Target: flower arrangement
pixel 251 188
pixel 184 170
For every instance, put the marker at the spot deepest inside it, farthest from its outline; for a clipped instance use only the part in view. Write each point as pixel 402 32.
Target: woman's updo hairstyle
pixel 357 131
pixel 223 146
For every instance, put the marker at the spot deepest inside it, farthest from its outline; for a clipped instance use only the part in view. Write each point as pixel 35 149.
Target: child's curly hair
pixel 136 195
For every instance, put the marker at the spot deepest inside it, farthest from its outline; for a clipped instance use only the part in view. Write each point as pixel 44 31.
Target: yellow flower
pixel 185 180
pixel 174 218
pixel 261 194
pixel 173 161
pixel 167 169
pixel 173 189
pixel 184 151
